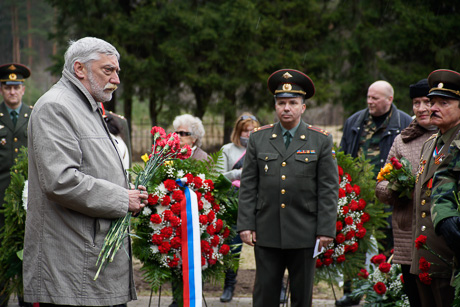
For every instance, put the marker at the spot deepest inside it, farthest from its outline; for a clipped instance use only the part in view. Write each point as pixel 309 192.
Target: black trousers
pixel 270 266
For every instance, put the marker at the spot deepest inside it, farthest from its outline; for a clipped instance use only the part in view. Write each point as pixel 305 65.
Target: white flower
pixel 180 174
pixel 161 209
pixel 147 211
pixel 25 193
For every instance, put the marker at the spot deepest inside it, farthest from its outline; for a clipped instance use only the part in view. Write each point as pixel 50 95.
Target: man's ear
pixel 80 70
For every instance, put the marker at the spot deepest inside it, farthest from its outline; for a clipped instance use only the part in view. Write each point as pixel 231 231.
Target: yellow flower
pixel 145 157
pixel 384 171
pixel 169 162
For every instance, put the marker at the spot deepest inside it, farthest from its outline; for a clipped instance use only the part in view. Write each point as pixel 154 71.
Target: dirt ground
pixel 244 286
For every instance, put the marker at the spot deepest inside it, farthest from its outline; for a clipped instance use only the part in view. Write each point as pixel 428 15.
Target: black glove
pixel 449 228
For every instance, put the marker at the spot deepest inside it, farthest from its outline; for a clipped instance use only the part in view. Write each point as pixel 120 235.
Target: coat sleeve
pixel 226 168
pixel 344 142
pixel 383 194
pixel 58 157
pixel 328 191
pixel 248 193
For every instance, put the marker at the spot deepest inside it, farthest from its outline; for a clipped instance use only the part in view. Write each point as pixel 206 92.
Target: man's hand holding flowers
pixel 398 173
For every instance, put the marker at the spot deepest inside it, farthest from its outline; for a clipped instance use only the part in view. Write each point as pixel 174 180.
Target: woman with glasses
pixel 232 164
pixel 191 131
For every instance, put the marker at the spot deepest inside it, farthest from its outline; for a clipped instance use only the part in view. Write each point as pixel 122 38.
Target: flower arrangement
pixel 158 228
pixel 399 176
pixel 164 148
pixel 382 284
pixel 359 215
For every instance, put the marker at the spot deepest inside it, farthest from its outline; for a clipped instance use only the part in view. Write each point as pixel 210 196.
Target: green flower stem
pixel 436 254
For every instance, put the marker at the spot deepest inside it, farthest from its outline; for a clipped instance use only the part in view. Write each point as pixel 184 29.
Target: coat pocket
pixel 306 165
pixel 267 163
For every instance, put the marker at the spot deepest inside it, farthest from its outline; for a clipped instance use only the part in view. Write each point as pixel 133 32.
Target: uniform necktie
pixel 287 134
pixel 14 117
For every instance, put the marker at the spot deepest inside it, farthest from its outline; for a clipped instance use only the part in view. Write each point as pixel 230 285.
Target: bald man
pixel 370 133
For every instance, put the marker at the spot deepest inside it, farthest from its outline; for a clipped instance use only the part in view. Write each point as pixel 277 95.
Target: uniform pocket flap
pixel 306 158
pixel 267 156
pixel 3 132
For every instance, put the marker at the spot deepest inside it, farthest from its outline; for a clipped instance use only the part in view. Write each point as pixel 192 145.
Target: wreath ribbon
pixel 191 248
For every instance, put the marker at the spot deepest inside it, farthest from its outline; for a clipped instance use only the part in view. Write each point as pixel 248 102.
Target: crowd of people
pixel 285 173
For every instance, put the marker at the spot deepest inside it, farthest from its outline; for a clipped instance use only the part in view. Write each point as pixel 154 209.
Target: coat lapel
pixel 277 141
pixel 23 117
pixel 5 118
pixel 298 140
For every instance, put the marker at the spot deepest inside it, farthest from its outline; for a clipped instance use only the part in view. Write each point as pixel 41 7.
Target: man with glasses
pixel 288 194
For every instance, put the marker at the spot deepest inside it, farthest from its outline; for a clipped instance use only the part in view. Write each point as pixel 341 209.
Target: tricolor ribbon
pixel 191 248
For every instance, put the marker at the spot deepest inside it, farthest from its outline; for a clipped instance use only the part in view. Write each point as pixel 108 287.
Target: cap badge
pixel 287 87
pixel 287 75
pixel 13 76
pixel 441 85
pixel 12 67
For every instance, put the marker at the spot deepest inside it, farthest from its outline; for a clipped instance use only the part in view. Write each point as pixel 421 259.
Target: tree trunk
pixel 15 34
pixel 229 115
pixel 29 34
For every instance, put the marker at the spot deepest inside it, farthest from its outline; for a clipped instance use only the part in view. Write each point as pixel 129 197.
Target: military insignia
pixel 287 87
pixel 428 192
pixel 274 135
pixel 12 67
pixel 429 185
pixel 13 76
pixel 3 141
pixel 1 114
pixel 287 75
pixel 266 168
pixel 302 137
pixel 438 159
pixel 322 131
pixel 26 115
pixel 421 168
pixel 1 126
pixel 333 153
pixel 441 85
pixel 299 152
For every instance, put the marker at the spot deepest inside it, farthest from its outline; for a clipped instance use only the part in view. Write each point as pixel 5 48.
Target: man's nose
pixel 115 79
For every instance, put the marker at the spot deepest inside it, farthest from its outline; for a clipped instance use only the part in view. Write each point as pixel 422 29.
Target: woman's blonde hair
pixel 241 123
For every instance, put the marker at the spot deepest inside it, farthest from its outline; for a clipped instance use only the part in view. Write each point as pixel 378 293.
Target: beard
pixel 98 92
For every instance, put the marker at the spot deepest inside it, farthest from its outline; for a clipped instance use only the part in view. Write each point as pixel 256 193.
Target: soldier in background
pixel 14 117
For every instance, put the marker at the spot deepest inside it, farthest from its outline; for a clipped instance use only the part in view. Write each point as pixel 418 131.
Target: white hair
pixel 86 50
pixel 194 125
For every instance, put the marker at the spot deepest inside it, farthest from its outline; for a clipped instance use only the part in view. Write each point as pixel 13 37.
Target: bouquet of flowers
pixel 359 215
pixel 164 148
pixel 159 228
pixel 399 176
pixel 382 284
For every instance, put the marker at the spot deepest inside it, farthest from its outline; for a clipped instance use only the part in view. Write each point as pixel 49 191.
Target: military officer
pixel 436 155
pixel 14 116
pixel 288 194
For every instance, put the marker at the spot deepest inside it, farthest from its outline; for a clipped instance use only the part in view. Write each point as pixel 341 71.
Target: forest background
pixel 212 58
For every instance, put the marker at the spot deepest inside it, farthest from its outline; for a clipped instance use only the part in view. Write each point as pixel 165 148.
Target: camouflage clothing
pixel 370 140
pixel 445 184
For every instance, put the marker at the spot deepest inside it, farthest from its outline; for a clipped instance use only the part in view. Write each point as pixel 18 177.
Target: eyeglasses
pixel 183 133
pixel 244 117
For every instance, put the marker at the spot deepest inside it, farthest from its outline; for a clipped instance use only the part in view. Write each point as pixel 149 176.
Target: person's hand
pixel 449 228
pixel 137 199
pixel 324 242
pixel 248 237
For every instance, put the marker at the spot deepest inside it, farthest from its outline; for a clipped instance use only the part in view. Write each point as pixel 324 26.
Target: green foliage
pixel 12 234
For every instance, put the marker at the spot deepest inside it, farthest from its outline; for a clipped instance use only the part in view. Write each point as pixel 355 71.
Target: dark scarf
pixel 413 131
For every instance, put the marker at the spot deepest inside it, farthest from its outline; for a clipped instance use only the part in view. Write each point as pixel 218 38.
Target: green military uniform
pixel 289 197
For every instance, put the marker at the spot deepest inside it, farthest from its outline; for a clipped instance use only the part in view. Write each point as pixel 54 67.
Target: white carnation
pixel 25 194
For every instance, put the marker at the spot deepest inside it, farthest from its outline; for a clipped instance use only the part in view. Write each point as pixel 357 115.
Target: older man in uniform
pixel 288 195
pixel 14 116
pixel 436 155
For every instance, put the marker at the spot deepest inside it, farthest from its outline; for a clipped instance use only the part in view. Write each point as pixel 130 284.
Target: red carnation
pixel 348 177
pixel 153 199
pixel 356 189
pixel 327 261
pixel 423 264
pixel 216 208
pixel 173 262
pixel 219 225
pixel 340 238
pixel 198 195
pixel 197 182
pixel 210 229
pixel 361 233
pixel 393 160
pixel 384 267
pixel 203 261
pixel 166 201
pixel 205 247
pixel 365 217
pixel 328 253
pixel 210 184
pixel 354 247
pixel 155 219
pixel 380 288
pixel 339 226
pixel 224 249
pixel 420 241
pixel 175 221
pixel 402 278
pixel 164 248
pixel 425 278
pixel 208 196
pixel 226 233
pixel 348 188
pixel 212 261
pixel 211 216
pixel 350 234
pixel 318 261
pixel 167 214
pixel 348 220
pixel 158 130
pixel 345 210
pixel 340 171
pixel 397 165
pixel 166 232
pixel 215 240
pixel 378 259
pixel 361 204
pixel 353 205
pixel 203 219
pixel 178 195
pixel 189 178
pixel 175 242
pixel 364 274
pixel 342 193
pixel 176 208
pixel 157 239
pixel 340 259
pixel 170 184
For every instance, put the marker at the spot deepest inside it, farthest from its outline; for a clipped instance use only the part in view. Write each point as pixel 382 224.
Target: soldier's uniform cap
pixel 13 73
pixel 445 83
pixel 290 83
pixel 419 89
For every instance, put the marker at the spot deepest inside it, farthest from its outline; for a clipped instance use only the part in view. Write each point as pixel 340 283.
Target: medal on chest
pixel 421 169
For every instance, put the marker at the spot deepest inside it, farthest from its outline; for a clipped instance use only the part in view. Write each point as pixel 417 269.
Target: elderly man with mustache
pixel 77 187
pixel 437 154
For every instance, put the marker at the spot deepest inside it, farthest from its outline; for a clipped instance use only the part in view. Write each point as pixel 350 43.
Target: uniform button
pixel 266 158
pixel 306 159
pixel 423 215
pixel 428 192
pixel 283 164
pixel 283 206
pixel 15 150
pixel 423 228
pixel 283 177
pixel 15 139
pixel 283 191
pixel 16 171
pixel 423 202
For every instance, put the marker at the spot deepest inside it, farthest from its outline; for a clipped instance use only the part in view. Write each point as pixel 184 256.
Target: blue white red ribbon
pixel 191 248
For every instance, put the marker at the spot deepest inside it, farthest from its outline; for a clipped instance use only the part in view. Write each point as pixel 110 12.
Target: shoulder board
pixel 31 107
pixel 262 128
pixel 317 129
pixel 117 115
pixel 431 137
